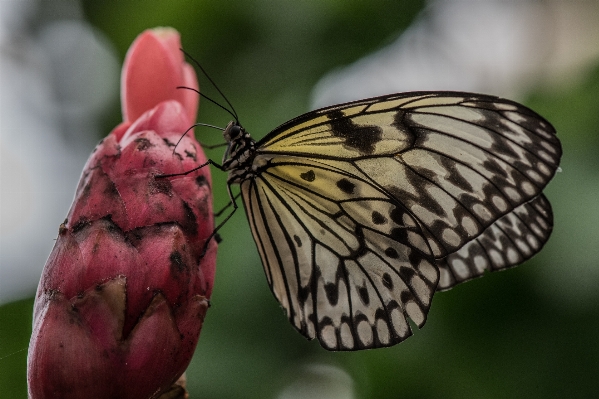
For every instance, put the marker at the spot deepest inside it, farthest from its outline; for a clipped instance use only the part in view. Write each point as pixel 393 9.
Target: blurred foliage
pixel 15 330
pixel 265 55
pixel 521 333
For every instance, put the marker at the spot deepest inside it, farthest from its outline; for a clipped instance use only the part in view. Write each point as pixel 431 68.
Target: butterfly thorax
pixel 240 153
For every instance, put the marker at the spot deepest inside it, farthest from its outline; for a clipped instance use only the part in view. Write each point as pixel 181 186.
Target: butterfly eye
pixel 232 132
pixel 235 132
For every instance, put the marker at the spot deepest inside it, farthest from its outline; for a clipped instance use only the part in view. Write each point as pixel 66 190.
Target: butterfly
pixel 362 211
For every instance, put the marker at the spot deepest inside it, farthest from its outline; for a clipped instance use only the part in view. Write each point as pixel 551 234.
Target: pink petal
pixel 153 68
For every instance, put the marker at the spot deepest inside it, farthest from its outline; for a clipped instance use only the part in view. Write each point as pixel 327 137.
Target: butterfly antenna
pixel 211 100
pixel 234 113
pixel 191 127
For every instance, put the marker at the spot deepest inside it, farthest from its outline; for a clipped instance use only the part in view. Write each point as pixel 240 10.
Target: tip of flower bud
pixel 164 32
pixel 154 67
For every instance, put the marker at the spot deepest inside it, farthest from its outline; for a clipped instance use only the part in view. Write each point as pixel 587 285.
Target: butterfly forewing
pixel 465 159
pixel 362 210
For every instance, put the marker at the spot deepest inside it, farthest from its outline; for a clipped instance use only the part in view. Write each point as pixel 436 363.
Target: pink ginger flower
pixel 123 295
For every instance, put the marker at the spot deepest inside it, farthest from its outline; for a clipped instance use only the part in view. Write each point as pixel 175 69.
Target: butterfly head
pixel 233 132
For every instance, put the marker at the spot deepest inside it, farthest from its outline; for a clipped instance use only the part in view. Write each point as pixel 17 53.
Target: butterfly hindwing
pixel 348 279
pixel 509 241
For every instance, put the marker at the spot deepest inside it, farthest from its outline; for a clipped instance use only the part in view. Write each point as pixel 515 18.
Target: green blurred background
pixel 527 332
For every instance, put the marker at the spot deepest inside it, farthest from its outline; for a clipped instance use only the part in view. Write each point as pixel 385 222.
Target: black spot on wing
pixel 397 215
pixel 308 176
pixel 298 241
pixel 357 137
pixel 387 281
pixel 332 292
pixel 378 218
pixel 398 120
pixel 406 296
pixel 399 235
pixel 392 253
pixel 346 186
pixel 406 274
pixel 364 297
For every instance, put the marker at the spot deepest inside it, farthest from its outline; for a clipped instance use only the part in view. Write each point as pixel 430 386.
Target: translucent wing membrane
pixel 362 210
pixel 508 242
pixel 344 273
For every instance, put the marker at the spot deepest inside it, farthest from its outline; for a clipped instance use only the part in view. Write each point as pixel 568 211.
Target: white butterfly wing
pixel 344 273
pixel 458 161
pixel 459 175
pixel 508 242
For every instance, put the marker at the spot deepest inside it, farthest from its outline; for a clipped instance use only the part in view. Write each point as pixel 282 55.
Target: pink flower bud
pixel 123 295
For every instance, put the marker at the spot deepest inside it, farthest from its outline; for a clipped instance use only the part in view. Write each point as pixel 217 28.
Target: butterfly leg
pixel 217 237
pixel 217 214
pixel 222 223
pixel 231 197
pixel 209 162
